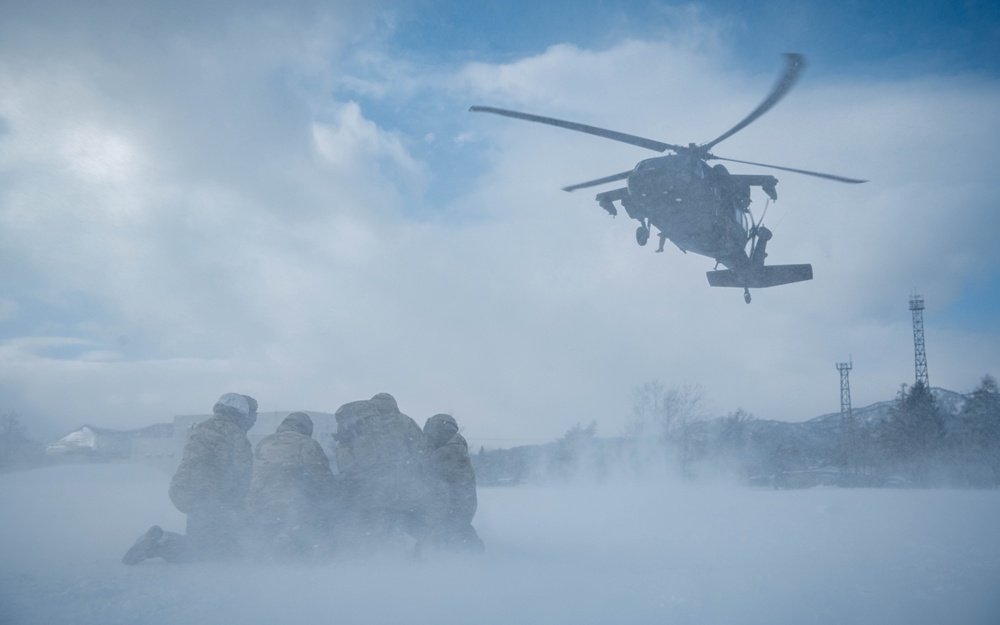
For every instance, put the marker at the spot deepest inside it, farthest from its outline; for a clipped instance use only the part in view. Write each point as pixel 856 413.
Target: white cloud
pixel 351 142
pixel 100 156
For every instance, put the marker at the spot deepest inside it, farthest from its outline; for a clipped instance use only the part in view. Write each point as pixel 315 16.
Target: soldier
pixel 291 490
pixel 377 453
pixel 452 486
pixel 210 486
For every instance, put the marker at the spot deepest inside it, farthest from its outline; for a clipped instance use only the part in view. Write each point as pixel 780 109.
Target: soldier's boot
pixel 153 544
pixel 468 540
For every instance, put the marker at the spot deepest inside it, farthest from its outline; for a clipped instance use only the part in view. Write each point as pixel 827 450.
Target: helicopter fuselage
pixel 701 209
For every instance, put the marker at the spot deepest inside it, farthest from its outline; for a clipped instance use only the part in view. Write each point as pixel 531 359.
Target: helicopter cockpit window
pixel 740 215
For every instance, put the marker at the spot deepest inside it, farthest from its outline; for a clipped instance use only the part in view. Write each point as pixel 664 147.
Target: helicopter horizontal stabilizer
pixel 761 277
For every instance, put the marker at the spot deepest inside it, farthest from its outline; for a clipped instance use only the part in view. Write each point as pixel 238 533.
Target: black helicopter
pixel 700 208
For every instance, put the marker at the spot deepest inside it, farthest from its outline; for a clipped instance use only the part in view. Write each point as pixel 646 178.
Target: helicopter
pixel 699 207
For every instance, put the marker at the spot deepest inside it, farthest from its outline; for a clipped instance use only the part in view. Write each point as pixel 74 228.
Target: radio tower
pixel 919 355
pixel 846 416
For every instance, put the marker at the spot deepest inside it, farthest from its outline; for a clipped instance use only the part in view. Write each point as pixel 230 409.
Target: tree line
pixel 920 444
pixel 916 443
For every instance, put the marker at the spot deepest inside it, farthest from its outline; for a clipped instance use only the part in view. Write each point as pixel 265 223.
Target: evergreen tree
pixel 914 435
pixel 576 451
pixel 981 436
pixel 733 445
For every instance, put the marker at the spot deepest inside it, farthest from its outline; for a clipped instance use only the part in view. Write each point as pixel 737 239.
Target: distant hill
pixel 815 441
pixel 949 402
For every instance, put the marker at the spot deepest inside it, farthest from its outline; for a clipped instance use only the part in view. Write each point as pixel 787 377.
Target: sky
pixel 294 203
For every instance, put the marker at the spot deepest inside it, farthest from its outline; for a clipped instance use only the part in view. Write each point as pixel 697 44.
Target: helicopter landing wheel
pixel 641 235
pixel 746 295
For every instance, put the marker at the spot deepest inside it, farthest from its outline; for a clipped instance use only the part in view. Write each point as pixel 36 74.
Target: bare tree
pixel 647 410
pixel 662 417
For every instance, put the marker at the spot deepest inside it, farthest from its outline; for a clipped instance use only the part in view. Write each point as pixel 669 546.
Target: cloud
pixel 350 141
pixel 217 195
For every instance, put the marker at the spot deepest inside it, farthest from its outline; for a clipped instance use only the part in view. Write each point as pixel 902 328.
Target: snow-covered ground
pixel 622 552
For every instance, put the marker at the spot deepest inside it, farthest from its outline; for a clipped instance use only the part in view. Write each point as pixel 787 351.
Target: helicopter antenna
pixel 780 219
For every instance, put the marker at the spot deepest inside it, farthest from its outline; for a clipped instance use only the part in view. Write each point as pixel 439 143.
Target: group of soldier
pixel 394 484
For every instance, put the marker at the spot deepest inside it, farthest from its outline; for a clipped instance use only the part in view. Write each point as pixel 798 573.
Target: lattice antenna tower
pixel 846 415
pixel 919 353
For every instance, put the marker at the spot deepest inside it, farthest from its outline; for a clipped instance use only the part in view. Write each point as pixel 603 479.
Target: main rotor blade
pixel 642 142
pixel 594 183
pixel 797 171
pixel 795 63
